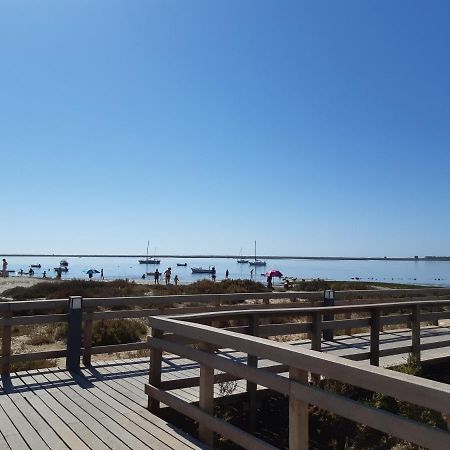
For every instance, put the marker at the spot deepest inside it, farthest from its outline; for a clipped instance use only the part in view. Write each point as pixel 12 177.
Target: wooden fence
pixel 40 312
pixel 177 334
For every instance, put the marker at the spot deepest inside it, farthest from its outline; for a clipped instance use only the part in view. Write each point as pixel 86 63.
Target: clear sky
pixel 315 127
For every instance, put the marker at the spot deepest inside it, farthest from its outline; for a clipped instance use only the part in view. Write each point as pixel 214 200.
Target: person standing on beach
pixel 101 274
pixel 269 281
pixel 157 274
pixel 226 274
pixel 4 268
pixel 251 274
pixel 168 274
pixel 175 280
pixel 213 273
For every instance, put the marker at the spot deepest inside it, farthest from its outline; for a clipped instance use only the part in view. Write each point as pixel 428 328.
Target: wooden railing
pixel 40 312
pixel 177 334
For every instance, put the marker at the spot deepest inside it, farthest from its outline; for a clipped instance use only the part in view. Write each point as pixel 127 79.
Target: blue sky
pixel 317 128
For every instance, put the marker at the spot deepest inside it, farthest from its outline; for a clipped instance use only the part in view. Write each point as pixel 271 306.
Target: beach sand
pixel 11 282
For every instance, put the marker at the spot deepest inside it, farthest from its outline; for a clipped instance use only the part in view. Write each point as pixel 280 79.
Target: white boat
pixel 241 260
pixel 148 260
pixel 63 263
pixel 257 262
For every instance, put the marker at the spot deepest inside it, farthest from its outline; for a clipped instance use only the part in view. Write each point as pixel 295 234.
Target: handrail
pixel 298 362
pixel 52 311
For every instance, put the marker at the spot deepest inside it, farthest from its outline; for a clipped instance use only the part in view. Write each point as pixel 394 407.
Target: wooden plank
pixel 27 431
pixel 135 402
pixel 58 425
pixel 96 435
pixel 116 418
pixel 10 433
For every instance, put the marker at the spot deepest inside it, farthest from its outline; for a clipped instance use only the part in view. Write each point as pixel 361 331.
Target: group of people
pixel 167 275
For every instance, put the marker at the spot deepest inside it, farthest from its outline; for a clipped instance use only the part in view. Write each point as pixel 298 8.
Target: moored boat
pixel 61 268
pixel 257 262
pixel 182 264
pixel 150 261
pixel 35 266
pixel 63 263
pixel 241 260
pixel 202 270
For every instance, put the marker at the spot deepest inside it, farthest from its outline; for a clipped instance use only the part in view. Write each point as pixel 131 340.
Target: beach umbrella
pixel 91 271
pixel 274 273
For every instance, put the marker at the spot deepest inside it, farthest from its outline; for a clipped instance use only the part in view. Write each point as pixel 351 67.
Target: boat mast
pixel 255 249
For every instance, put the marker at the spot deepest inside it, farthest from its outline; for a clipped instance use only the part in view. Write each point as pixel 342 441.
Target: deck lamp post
pixel 74 334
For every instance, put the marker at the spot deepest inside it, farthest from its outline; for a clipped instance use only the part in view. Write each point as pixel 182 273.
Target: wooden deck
pixel 104 407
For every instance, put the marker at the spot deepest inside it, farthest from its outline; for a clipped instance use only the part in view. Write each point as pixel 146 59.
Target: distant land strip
pixel 332 258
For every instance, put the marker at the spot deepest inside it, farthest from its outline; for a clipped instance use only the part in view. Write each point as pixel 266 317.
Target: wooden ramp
pixel 104 407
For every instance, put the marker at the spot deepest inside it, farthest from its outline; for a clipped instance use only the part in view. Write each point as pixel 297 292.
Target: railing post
pixel 155 371
pixel 328 300
pixel 206 401
pixel 252 360
pixel 298 414
pixel 74 334
pixel 6 342
pixel 316 331
pixel 87 337
pixel 375 337
pixel 415 331
pixel 348 316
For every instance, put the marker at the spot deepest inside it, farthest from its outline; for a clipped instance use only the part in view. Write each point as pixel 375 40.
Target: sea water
pixel 411 272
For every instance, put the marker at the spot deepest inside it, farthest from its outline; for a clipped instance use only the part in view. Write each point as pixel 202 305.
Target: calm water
pixel 423 272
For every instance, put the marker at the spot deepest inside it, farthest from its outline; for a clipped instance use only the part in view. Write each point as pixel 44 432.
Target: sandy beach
pixel 11 282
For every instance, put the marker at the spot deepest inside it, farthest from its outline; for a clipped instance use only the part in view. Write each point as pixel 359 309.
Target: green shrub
pixel 85 288
pixel 47 334
pixel 210 287
pixel 120 331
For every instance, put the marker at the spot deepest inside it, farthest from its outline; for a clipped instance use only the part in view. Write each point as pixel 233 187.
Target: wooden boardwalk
pixel 104 407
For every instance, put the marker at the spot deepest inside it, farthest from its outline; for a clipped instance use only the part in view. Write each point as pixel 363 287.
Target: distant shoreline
pixel 330 258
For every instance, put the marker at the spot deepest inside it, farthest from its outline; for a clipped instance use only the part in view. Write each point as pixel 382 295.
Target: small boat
pixel 182 264
pixel 61 268
pixel 150 274
pixel 201 270
pixel 241 260
pixel 63 263
pixel 36 266
pixel 257 262
pixel 150 261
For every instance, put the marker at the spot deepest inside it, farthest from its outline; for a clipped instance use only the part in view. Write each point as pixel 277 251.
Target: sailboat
pixel 148 260
pixel 241 260
pixel 257 262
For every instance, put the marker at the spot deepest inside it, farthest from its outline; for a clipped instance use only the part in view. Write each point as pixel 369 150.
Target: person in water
pixel 175 280
pixel 168 274
pixel 157 275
